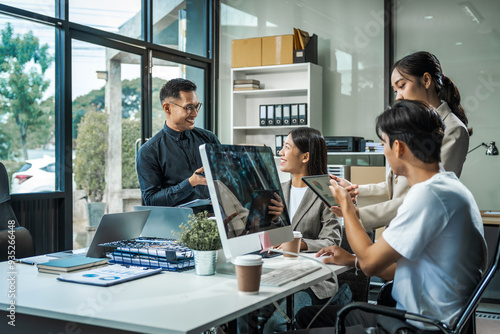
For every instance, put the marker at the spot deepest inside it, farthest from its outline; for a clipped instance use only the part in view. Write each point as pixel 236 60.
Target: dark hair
pixel 419 63
pixel 310 140
pixel 174 86
pixel 415 123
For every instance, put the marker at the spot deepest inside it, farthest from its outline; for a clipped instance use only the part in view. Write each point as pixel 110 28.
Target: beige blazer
pixel 319 227
pixel 378 203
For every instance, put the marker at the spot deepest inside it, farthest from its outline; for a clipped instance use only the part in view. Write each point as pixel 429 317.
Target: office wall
pixel 350 47
pixel 351 53
pixel 469 53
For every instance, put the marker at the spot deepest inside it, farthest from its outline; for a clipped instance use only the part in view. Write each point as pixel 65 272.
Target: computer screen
pixel 242 180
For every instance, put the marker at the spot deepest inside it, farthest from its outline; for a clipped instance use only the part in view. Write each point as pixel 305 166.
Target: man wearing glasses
pixel 169 164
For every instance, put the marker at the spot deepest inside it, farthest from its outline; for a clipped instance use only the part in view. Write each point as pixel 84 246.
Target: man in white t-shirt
pixel 434 248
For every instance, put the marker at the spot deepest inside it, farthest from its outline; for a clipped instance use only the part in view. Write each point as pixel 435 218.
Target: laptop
pixel 164 221
pixel 113 227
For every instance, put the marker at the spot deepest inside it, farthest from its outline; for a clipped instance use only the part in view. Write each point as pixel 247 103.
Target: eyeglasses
pixel 189 108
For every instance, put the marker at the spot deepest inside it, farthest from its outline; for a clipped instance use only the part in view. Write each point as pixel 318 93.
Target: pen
pixel 200 174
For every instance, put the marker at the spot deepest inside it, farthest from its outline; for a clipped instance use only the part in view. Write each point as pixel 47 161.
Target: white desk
pixel 170 302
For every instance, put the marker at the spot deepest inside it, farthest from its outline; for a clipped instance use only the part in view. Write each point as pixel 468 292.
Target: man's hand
pixel 338 212
pixel 198 178
pixel 336 255
pixel 350 187
pixel 277 207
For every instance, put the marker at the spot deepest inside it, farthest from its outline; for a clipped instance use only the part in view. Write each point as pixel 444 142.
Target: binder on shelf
pixel 270 115
pixel 286 114
pixel 302 114
pixel 278 115
pixel 279 144
pixel 263 115
pixel 294 119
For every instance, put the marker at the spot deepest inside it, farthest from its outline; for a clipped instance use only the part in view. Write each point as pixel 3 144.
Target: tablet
pixel 320 185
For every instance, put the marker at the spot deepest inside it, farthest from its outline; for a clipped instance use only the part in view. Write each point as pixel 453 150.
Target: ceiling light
pixel 428 17
pixel 459 43
pixel 471 11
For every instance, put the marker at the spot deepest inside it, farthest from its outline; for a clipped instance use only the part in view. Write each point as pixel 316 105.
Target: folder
pixel 302 114
pixel 278 116
pixel 263 115
pixel 294 114
pixel 286 114
pixel 279 144
pixel 270 115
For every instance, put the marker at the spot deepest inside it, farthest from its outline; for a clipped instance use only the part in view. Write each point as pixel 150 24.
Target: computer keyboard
pixel 281 276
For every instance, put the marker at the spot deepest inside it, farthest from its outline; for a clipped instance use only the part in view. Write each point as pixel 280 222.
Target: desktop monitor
pixel 241 181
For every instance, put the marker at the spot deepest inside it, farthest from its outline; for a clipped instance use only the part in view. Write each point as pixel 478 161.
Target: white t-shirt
pixel 296 195
pixel 439 233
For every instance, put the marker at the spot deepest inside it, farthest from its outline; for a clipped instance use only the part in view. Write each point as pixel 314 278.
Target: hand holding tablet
pixel 320 184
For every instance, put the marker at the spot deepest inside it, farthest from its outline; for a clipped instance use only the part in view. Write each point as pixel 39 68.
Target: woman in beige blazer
pixel 418 76
pixel 303 154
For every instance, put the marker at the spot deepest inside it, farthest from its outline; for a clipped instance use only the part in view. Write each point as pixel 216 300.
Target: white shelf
pixel 282 84
pixel 268 128
pixel 271 92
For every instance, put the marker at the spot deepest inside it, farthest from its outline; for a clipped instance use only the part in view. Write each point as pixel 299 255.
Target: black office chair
pixel 360 283
pixel 9 226
pixel 465 322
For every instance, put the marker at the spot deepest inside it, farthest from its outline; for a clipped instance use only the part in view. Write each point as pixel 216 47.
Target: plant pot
pixel 204 262
pixel 95 211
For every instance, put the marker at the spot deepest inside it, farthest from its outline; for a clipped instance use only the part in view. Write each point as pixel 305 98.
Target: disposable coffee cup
pixel 292 246
pixel 248 271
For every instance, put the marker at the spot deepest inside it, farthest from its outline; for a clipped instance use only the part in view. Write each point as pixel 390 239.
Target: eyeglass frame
pixel 196 108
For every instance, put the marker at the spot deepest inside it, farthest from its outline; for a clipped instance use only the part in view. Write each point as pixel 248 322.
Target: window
pixel 27 113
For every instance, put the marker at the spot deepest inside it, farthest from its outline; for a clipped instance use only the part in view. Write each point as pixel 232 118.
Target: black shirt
pixel 165 163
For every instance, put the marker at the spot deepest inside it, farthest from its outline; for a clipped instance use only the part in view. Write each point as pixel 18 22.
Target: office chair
pixel 9 224
pixel 360 283
pixel 462 324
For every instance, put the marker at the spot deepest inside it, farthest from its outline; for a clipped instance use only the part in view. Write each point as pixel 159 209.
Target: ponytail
pixel 450 94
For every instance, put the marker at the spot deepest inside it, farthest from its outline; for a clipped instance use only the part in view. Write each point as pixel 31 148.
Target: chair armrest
pixel 387 311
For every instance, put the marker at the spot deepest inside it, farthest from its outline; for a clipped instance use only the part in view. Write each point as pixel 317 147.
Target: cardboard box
pixel 367 174
pixel 246 52
pixel 277 50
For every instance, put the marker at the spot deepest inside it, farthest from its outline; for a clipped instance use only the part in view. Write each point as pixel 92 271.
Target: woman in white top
pixel 304 153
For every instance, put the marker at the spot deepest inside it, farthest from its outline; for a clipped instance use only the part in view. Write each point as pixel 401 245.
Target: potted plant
pixel 90 162
pixel 201 235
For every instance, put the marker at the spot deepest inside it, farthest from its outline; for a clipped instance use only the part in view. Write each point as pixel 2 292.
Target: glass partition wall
pixel 88 97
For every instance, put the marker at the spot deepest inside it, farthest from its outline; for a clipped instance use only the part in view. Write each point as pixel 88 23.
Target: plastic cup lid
pixel 248 260
pixel 297 234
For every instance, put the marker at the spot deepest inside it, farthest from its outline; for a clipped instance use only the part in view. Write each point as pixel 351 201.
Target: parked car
pixel 36 175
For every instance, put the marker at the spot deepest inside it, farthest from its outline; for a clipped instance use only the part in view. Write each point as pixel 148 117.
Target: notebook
pixel 163 221
pixel 69 264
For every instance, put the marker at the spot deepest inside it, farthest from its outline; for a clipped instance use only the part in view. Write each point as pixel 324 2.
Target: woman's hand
pixel 350 187
pixel 277 207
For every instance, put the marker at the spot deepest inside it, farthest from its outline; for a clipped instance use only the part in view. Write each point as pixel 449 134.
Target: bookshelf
pixel 280 84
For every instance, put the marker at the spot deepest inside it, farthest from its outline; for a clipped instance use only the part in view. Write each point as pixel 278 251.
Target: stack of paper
pixel 246 84
pixel 374 147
